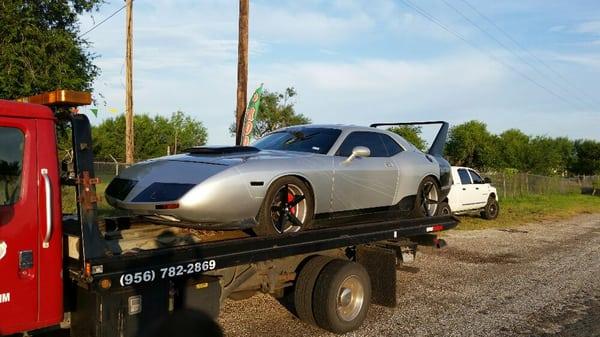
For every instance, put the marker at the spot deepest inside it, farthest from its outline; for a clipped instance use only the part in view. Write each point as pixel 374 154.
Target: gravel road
pixel 540 279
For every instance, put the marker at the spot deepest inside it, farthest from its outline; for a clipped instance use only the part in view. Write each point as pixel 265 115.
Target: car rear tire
pixel 305 285
pixel 342 296
pixel 288 207
pixel 426 200
pixel 491 210
pixel 444 209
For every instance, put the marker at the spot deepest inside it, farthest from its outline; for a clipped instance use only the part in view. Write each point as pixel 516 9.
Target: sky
pixel 532 65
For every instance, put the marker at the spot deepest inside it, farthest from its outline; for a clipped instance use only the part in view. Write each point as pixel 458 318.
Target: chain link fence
pixel 521 184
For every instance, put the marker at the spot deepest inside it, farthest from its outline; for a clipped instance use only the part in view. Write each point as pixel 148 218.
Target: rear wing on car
pixel 437 147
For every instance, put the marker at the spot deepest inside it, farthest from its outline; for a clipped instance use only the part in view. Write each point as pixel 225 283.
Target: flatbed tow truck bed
pixel 230 249
pixel 153 270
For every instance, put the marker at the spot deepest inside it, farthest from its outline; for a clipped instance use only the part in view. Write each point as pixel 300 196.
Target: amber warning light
pixel 60 97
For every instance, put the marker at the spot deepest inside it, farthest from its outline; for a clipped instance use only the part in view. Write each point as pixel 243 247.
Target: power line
pixel 433 19
pixel 103 21
pixel 507 48
pixel 512 51
pixel 525 50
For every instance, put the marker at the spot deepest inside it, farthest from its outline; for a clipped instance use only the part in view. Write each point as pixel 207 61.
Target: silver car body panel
pixel 231 187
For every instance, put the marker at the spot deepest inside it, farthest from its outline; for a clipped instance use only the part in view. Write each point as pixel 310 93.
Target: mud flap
pixel 380 263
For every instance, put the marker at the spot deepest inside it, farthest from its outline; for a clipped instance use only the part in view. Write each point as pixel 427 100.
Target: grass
pixel 534 208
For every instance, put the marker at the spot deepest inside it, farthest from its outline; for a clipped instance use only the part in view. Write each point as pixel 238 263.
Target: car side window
pixel 476 177
pixel 11 164
pixel 363 138
pixel 464 176
pixel 392 147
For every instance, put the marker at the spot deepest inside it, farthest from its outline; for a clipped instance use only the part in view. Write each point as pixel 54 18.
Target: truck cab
pixel 470 192
pixel 30 215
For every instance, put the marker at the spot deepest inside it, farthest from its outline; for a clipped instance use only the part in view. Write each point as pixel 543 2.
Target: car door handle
pixel 48 188
pixel 477 188
pixel 388 164
pixel 464 188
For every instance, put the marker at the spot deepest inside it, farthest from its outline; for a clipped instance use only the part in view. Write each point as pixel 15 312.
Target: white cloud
pixel 589 27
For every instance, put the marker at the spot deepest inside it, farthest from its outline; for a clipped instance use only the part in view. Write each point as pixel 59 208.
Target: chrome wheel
pixel 429 198
pixel 351 295
pixel 288 209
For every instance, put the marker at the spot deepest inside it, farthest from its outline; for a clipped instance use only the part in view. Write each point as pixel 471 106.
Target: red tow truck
pixel 115 276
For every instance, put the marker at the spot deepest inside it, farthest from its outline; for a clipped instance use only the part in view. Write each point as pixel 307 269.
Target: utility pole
pixel 129 138
pixel 242 75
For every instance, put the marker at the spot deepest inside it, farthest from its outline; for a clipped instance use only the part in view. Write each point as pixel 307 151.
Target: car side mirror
pixel 487 180
pixel 358 151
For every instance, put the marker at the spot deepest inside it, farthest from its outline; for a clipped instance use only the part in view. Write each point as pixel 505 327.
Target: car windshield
pixel 314 140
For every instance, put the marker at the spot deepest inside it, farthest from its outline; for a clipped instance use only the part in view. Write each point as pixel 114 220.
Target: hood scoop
pixel 221 150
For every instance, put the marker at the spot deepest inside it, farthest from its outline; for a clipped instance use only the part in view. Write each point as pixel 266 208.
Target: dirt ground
pixel 540 279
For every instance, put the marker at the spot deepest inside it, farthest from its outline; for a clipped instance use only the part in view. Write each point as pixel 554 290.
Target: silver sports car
pixel 292 179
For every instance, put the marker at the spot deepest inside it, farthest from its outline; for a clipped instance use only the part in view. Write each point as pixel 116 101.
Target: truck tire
pixel 444 209
pixel 281 212
pixel 342 296
pixel 491 209
pixel 305 285
pixel 426 200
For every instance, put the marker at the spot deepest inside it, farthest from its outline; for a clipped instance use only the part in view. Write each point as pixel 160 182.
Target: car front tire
pixel 288 207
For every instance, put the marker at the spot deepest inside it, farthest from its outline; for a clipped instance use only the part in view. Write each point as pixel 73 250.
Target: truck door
pixel 482 190
pixel 18 225
pixel 469 196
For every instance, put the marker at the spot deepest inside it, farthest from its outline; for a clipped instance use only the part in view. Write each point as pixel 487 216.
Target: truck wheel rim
pixel 492 209
pixel 350 298
pixel 288 209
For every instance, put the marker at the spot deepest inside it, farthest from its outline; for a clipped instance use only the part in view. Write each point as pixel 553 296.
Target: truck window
pixel 11 164
pixel 464 176
pixel 476 177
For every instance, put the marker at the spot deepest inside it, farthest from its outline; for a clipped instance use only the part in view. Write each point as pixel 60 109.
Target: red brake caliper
pixel 290 198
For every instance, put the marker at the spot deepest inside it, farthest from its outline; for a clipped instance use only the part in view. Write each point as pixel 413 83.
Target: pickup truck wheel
pixel 491 209
pixel 342 296
pixel 426 200
pixel 305 285
pixel 288 207
pixel 444 209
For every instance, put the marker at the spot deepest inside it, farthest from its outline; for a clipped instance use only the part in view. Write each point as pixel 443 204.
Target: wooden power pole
pixel 129 138
pixel 242 75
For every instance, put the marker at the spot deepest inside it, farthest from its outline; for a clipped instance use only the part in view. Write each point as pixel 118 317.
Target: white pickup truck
pixel 470 193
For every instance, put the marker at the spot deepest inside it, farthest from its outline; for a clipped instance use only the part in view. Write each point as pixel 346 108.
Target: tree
pixel 513 148
pixel 412 134
pixel 543 157
pixel 587 157
pixel 470 144
pixel 40 49
pixel 154 136
pixel 276 111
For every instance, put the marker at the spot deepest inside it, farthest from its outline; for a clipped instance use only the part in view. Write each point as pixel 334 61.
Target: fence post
pixel 504 185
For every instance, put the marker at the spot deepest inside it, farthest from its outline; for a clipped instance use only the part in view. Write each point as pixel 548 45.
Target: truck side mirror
pixel 487 180
pixel 358 151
